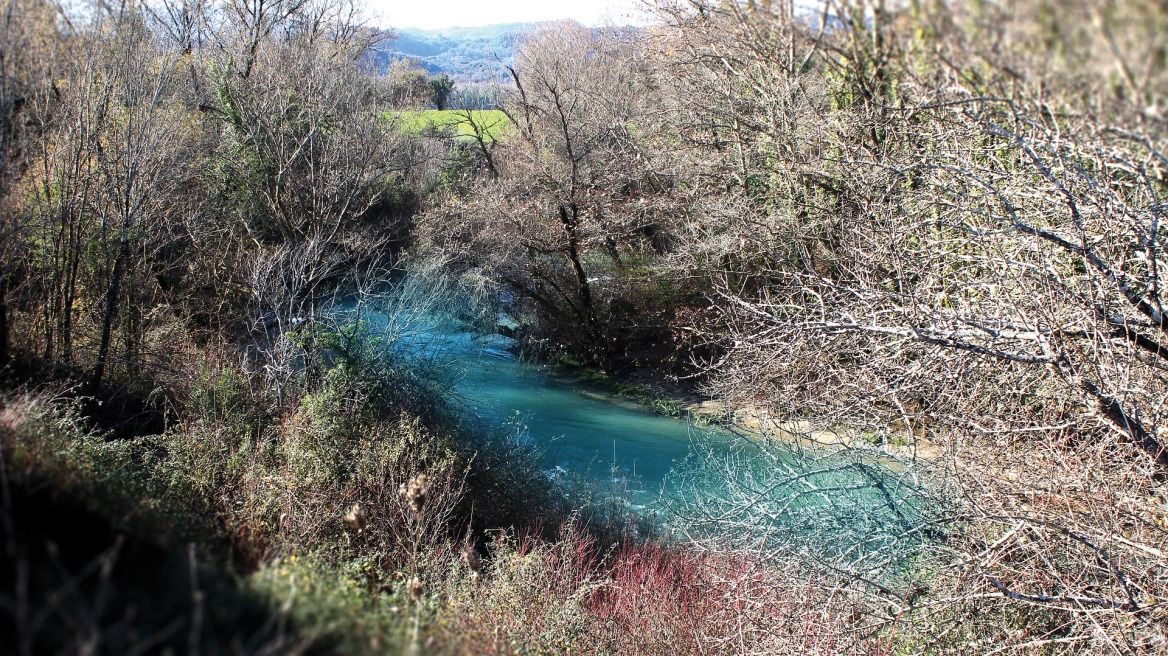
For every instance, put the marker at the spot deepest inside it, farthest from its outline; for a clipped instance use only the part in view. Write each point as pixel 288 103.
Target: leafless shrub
pixel 577 195
pixel 941 237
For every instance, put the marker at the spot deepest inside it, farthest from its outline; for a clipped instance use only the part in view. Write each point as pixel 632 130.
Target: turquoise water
pixel 580 430
pixel 845 506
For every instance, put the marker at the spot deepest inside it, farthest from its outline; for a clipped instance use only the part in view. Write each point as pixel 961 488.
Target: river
pixel 581 430
pixel 853 503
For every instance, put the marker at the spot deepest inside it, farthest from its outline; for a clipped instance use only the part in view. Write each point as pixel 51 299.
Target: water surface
pixel 581 430
pixel 848 504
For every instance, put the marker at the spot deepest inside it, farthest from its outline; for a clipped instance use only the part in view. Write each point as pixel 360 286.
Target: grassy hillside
pixel 492 123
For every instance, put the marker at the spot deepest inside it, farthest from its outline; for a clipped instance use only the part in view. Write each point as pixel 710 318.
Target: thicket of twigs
pixel 933 226
pixel 929 228
pixel 944 228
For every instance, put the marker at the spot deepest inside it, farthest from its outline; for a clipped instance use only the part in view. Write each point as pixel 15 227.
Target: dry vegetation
pixel 919 223
pixel 948 231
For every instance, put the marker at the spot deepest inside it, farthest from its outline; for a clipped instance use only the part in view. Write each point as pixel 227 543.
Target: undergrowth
pixel 334 517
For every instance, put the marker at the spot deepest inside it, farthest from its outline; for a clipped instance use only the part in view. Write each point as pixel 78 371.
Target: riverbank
pixel 648 391
pixel 757 423
pixel 658 395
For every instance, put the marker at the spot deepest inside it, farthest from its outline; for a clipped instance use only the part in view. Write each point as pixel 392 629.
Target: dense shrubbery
pixel 932 225
pixel 254 484
pixel 263 504
pixel 108 550
pixel 927 230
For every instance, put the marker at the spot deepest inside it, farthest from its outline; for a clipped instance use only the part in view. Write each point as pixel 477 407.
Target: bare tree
pixel 310 140
pixel 568 204
pixel 27 41
pixel 139 160
pixel 110 146
pixel 940 235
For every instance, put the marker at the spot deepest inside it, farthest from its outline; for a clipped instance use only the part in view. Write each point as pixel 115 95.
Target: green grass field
pixel 492 122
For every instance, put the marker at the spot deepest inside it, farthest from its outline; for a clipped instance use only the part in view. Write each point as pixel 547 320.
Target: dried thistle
pixel 415 588
pixel 414 493
pixel 355 518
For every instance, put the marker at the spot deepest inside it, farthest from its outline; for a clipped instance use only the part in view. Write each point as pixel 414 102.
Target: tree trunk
pixel 111 308
pixel 4 349
pixel 570 222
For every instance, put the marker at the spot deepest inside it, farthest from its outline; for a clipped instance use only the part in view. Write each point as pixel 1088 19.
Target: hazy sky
pixel 435 14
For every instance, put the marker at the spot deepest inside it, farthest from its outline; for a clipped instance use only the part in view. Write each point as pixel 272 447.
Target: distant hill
pixel 468 54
